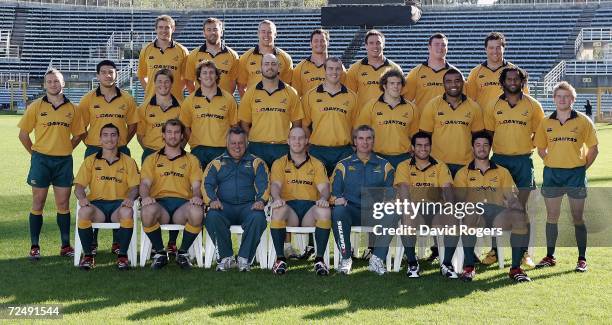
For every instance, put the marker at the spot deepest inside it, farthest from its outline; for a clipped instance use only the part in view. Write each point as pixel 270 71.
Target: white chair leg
pixel 458 257
pixel 399 254
pixel 209 251
pixel 78 248
pixel 271 251
pixel 262 250
pixel 145 248
pixel 355 241
pixel 197 245
pixel 440 240
pixel 500 251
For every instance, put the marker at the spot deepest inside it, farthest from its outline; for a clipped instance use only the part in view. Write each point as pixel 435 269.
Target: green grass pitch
pixel 556 295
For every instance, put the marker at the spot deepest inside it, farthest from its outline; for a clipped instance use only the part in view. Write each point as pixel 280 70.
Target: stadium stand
pixel 74 38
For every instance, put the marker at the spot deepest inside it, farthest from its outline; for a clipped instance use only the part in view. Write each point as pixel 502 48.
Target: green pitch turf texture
pixel 556 295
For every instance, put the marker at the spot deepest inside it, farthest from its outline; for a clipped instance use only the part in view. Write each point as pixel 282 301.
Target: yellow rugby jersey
pixel 153 59
pixel 308 75
pixel 209 120
pixel 171 177
pixel 299 182
pixel 424 83
pixel 249 66
pixel 332 116
pixel 513 126
pixel 226 61
pixel 52 126
pixel 363 79
pixel 152 118
pixel 484 187
pixel 97 112
pixel 567 143
pixel 108 181
pixel 270 113
pixel 424 184
pixel 483 85
pixel 452 128
pixel 393 126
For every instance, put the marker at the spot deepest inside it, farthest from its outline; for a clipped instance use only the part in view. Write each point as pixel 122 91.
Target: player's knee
pixel 280 213
pixel 323 213
pixel 85 213
pixel 126 213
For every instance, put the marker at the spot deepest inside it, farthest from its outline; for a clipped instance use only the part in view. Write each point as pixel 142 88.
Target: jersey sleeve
pixel 337 181
pixel 352 82
pixel 195 174
pixel 244 109
pixel 320 174
pixel 538 115
pixel 83 177
pixel 444 174
pixel 471 85
pixel 277 174
pixel 243 72
pixel 232 113
pixel 28 120
pixel 409 91
pixel 297 113
pixel 364 117
pixel 262 183
pixel 402 173
pixel 142 63
pixel 488 116
pixel 461 178
pixel 591 135
pixel 83 107
pixel 287 70
pixel 427 117
pixel 296 79
pixel 233 72
pixel 389 175
pixel 541 140
pixel 190 64
pixel 141 128
pixel 148 168
pixel 477 123
pixel 133 173
pixel 132 113
pixel 185 112
pixel 305 101
pixel 414 123
pixel 77 127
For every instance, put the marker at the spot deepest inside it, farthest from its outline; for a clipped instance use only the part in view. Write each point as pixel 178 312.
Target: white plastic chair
pixel 195 251
pixel 356 232
pixel 300 235
pixel 132 250
pixel 262 249
pixel 422 244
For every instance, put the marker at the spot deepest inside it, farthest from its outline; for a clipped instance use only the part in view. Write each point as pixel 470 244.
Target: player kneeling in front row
pixel 484 182
pixel 112 178
pixel 423 179
pixel 300 192
pixel 236 189
pixel 170 192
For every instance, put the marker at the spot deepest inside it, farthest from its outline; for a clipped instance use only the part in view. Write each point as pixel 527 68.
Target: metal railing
pixel 183 4
pixel 596 34
pixel 554 76
pixel 6 49
pixel 7 78
pixel 588 67
pixel 74 65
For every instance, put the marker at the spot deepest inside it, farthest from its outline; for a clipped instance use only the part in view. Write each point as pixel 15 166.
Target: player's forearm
pixel 79 191
pixel 403 191
pixel 591 155
pixel 448 194
pixel 133 193
pixel 144 189
pixel 275 190
pixel 324 191
pixel 195 188
pixel 76 140
pixel 26 141
pixel 131 132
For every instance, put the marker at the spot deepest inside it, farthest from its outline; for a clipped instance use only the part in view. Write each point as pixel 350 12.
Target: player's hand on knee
pixel 196 200
pixel 322 203
pixel 340 201
pixel 147 201
pixel 216 205
pixel 128 203
pixel 258 205
pixel 277 203
pixel 84 202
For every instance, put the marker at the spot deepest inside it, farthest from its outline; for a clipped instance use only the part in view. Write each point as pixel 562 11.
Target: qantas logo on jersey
pixel 434 84
pixel 110 178
pixel 197 106
pixel 299 182
pixel 440 113
pixel 455 122
pixel 423 184
pixel 284 101
pixel 55 123
pixel 165 66
pixel 151 115
pixel 317 79
pixel 151 57
pixel 574 130
pixel 372 82
pixel 513 122
pixel 499 113
pixel 391 122
pixel 333 109
pixel 172 173
pixel 549 130
pixel 490 83
pixel 210 115
pixel 110 116
pixel 423 76
pixel 272 109
pixel 564 139
pixel 525 113
pixel 252 63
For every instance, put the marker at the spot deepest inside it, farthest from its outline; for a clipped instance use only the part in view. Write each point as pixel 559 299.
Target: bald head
pixel 269 66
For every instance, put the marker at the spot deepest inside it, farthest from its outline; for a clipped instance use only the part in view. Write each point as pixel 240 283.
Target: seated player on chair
pixel 113 179
pixel 170 192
